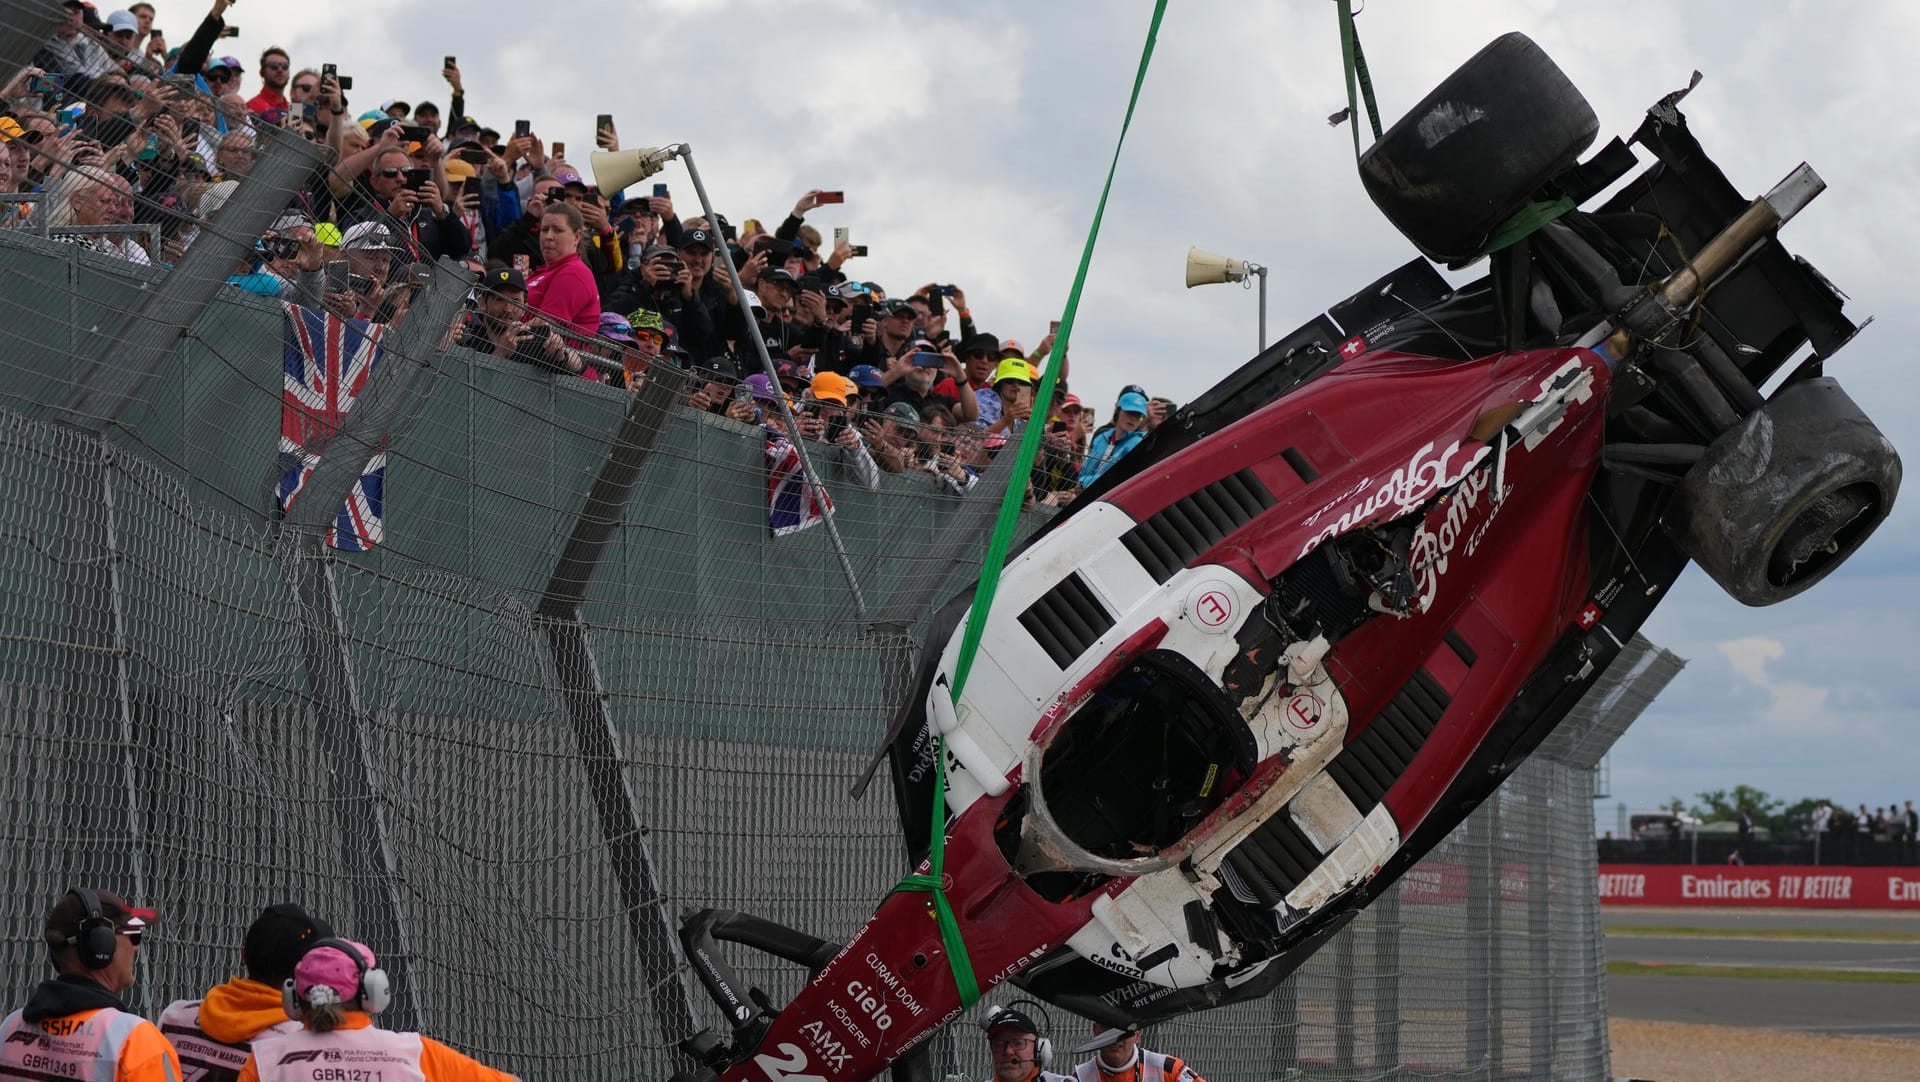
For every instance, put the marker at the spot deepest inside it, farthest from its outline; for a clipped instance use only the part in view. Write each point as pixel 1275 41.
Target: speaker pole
pixel 685 153
pixel 1262 272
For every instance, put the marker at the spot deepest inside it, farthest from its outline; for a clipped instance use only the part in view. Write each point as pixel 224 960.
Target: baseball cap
pixel 1011 348
pixel 900 308
pixel 569 175
pixel 329 967
pixel 980 343
pixel 762 387
pixel 1105 1037
pixel 923 359
pixel 501 278
pixel 225 62
pixel 779 274
pixel 63 920
pixel 787 370
pixel 292 219
pixel 1071 402
pixel 1013 368
pixel 866 375
pixel 458 170
pixel 216 197
pixel 614 327
pixel 123 20
pixel 276 940
pixel 1008 1018
pixel 834 387
pixel 696 238
pixel 1134 388
pixel 1133 403
pixel 368 237
pixel 903 412
pixel 10 129
pixel 391 103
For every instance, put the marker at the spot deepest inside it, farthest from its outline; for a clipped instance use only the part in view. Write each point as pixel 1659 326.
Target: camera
pixel 280 247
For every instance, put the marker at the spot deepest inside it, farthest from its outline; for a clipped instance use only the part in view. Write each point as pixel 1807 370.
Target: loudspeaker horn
pixel 618 170
pixel 1204 268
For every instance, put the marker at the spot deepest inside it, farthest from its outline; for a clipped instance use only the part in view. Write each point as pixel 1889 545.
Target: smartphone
pixel 660 191
pixel 840 235
pixel 859 249
pixel 948 291
pixel 230 32
pixel 359 283
pixel 862 312
pixel 46 84
pixel 473 155
pixel 337 275
pixel 1053 327
pixel 603 122
pixel 415 133
pixel 451 63
pixel 469 186
pixel 522 128
pixel 418 178
pixel 742 392
pixel 832 197
pixel 559 150
pixel 522 263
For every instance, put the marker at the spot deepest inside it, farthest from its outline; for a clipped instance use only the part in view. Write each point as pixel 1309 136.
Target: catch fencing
pixel 575 689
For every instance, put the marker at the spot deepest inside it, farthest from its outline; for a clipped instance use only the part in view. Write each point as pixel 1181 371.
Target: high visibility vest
pixel 1150 1067
pixel 203 1059
pixel 83 1047
pixel 370 1053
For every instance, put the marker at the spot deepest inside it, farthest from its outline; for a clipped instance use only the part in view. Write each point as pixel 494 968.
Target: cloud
pixel 972 139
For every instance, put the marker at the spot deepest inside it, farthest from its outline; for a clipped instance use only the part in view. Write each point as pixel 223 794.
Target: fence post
pixel 1386 992
pixel 366 846
pixel 596 735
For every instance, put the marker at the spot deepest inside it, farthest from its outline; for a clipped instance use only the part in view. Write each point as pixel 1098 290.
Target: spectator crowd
pixel 113 126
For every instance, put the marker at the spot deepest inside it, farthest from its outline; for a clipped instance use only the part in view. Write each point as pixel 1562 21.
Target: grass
pixel 1771 973
pixel 1682 931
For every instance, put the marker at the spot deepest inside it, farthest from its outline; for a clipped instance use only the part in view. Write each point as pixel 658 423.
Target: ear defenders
pixel 371 989
pixel 93 941
pixel 1042 1041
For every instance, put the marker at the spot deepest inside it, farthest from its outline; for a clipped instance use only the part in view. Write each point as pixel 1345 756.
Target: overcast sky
pixel 971 140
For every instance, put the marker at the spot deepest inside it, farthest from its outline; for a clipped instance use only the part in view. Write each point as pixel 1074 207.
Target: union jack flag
pixel 792 504
pixel 327 362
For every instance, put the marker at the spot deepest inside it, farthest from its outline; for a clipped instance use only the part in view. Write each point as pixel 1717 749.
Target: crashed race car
pixel 1288 643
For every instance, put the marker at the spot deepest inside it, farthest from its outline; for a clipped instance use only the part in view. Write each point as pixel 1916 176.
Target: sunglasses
pixel 391 173
pixel 221 75
pixel 133 937
pixel 306 88
pixel 274 67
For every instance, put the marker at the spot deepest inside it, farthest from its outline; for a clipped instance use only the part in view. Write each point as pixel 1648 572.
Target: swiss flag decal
pixel 1590 615
pixel 1353 347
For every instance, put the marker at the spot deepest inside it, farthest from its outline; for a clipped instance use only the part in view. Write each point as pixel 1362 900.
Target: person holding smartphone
pixel 408 202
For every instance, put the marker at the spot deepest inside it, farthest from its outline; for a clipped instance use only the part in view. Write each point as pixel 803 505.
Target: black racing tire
pixel 1474 151
pixel 1780 501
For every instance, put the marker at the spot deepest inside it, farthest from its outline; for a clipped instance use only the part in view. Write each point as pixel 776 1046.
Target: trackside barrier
pixel 1794 887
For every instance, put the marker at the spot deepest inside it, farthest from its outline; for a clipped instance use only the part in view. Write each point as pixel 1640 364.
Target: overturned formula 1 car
pixel 1288 643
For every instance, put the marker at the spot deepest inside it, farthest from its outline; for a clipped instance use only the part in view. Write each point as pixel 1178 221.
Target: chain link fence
pixel 568 685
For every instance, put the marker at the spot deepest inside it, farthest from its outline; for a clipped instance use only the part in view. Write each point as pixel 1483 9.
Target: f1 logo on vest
pixel 309 1056
pixel 24 1036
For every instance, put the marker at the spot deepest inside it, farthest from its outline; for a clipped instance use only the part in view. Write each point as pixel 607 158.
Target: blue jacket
pixel 1107 448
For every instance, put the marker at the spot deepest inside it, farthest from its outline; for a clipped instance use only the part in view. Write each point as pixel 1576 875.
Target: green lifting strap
pixel 1355 62
pixel 997 547
pixel 1526 222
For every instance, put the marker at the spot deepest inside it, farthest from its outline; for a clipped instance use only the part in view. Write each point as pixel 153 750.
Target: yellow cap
pixel 328 234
